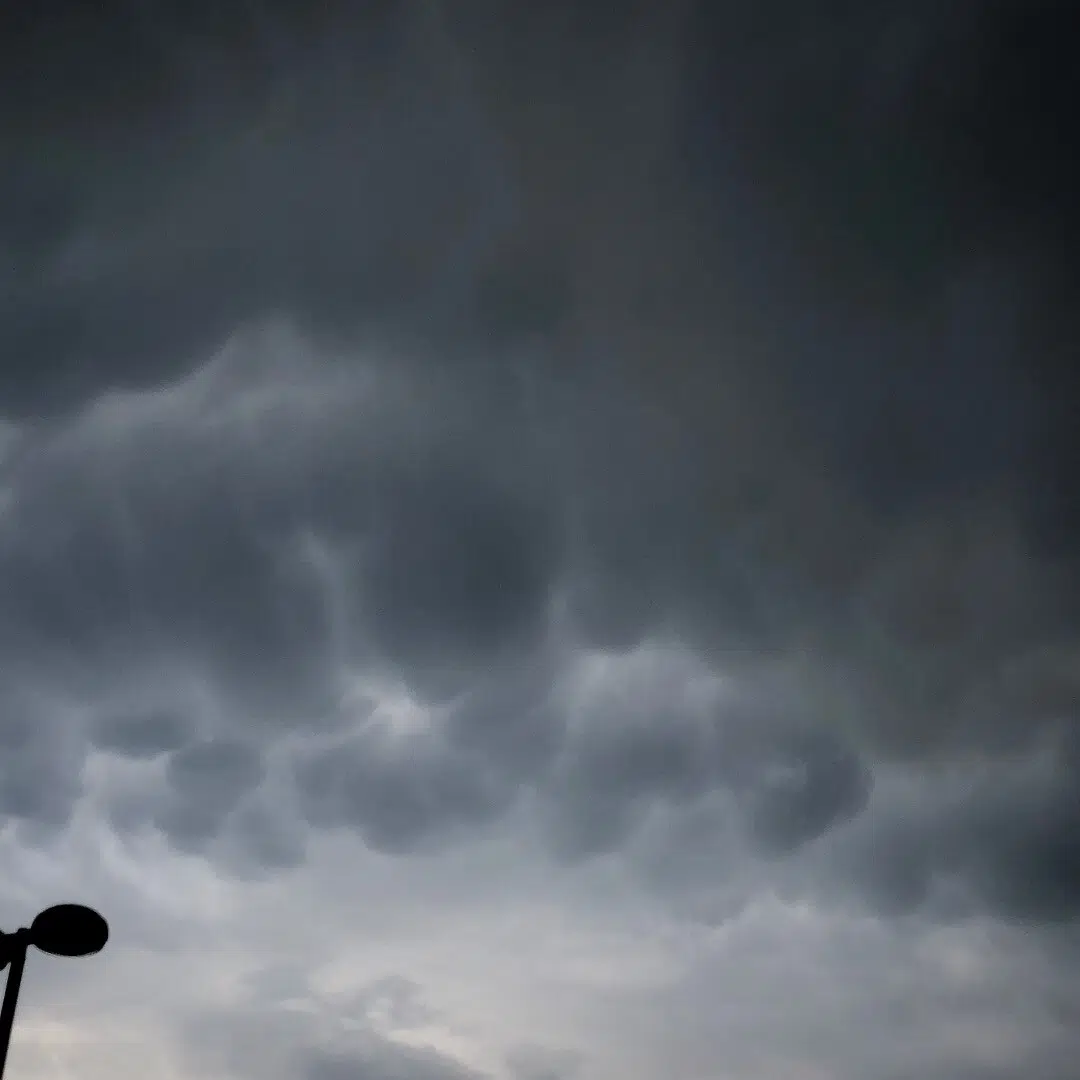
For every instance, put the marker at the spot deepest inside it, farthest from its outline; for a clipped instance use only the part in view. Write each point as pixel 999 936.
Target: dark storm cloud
pixel 1023 855
pixel 909 396
pixel 848 167
pixel 509 715
pixel 213 772
pixel 664 731
pixel 967 638
pixel 41 754
pixel 211 526
pixel 86 580
pixel 457 570
pixel 776 300
pixel 400 797
pixel 156 534
pixel 816 781
pixel 140 734
pixel 206 781
pixel 884 154
pixel 643 738
pixel 998 837
pixel 637 737
pixel 180 171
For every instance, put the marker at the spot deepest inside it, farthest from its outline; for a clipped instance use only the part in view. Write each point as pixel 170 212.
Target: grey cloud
pixel 725 98
pixel 1018 847
pixel 457 570
pixel 221 549
pixel 392 1003
pixel 964 1001
pixel 658 729
pixel 822 250
pixel 543 1063
pixel 636 735
pixel 99 557
pixel 41 758
pixel 216 771
pixel 582 826
pixel 815 782
pixel 744 328
pixel 967 634
pixel 142 734
pixel 237 521
pixel 206 781
pixel 753 314
pixel 993 836
pixel 264 833
pixel 190 827
pixel 273 986
pixel 629 754
pixel 645 754
pixel 895 867
pixel 261 1037
pixel 875 214
pixel 265 840
pixel 509 716
pixel 698 860
pixel 398 1003
pixel 666 730
pixel 167 246
pixel 386 1061
pixel 402 796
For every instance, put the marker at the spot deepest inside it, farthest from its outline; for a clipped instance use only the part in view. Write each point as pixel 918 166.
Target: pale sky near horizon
pixel 539 542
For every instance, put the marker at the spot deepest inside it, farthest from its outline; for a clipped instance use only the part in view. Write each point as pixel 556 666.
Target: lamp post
pixel 63 930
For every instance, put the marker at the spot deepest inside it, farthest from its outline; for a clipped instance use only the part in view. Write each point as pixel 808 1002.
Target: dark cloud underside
pixel 450 348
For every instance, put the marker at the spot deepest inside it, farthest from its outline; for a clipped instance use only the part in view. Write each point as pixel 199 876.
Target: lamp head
pixel 69 930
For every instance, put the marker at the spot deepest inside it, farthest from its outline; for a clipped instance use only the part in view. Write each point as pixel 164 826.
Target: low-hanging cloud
pixel 643 438
pixel 456 578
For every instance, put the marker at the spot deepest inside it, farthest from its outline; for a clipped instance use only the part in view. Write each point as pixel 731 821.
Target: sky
pixel 537 541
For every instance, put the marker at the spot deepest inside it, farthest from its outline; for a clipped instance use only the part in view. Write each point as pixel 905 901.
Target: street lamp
pixel 63 930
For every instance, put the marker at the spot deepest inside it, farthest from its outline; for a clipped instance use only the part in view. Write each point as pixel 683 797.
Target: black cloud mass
pixel 418 415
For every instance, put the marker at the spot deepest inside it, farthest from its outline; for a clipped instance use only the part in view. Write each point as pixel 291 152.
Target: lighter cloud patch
pixel 377 702
pixel 180 887
pixel 97 1049
pixel 10 437
pixel 652 669
pixel 262 369
pixel 265 379
pixel 328 569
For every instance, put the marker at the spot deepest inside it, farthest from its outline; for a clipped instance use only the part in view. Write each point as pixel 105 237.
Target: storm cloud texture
pixel 539 542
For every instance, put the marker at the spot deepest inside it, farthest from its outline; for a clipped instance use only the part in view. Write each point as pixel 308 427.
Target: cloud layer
pixel 635 446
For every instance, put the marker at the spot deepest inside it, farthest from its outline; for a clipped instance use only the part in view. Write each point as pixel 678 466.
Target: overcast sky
pixel 538 540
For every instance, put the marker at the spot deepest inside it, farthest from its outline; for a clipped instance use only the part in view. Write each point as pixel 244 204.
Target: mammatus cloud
pixel 953 643
pixel 641 440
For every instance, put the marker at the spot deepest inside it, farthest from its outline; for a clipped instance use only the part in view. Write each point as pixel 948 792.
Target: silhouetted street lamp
pixel 63 930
